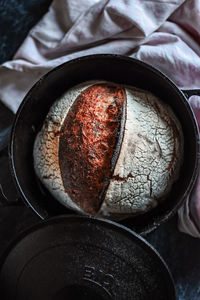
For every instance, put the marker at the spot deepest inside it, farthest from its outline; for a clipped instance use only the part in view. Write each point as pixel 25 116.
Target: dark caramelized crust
pixel 90 143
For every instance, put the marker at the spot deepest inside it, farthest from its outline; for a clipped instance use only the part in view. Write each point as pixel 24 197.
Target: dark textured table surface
pixel 180 251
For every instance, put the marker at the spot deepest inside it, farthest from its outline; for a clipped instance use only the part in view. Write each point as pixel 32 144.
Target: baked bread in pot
pixel 120 70
pixel 109 150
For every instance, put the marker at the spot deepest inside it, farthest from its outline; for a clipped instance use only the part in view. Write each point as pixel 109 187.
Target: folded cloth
pixel 163 33
pixel 189 213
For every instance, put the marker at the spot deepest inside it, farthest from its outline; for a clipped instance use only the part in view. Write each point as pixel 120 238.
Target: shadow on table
pixel 181 252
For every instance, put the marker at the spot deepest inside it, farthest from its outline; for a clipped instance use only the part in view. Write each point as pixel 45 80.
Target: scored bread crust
pixel 90 142
pixel 149 160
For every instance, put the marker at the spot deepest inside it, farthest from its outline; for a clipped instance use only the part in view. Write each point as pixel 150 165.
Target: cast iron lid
pixel 76 257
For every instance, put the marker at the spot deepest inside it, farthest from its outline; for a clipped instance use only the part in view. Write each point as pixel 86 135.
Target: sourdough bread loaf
pixel 109 150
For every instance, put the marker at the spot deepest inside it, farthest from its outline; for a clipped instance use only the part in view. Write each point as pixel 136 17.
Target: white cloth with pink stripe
pixel 162 33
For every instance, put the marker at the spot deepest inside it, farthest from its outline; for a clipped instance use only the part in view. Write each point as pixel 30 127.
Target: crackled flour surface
pixel 150 156
pixel 106 149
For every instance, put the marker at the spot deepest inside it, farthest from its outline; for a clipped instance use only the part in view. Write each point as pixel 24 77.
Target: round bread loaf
pixel 109 150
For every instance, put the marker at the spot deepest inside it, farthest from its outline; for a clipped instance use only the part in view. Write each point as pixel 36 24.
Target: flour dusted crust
pixel 149 157
pixel 46 146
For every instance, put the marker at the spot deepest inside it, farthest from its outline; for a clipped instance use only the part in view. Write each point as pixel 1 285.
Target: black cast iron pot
pixel 119 69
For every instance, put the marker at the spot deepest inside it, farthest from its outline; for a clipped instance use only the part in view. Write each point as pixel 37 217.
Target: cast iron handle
pixel 189 93
pixel 8 194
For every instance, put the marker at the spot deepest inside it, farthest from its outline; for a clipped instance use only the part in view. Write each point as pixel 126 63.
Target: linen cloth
pixel 162 33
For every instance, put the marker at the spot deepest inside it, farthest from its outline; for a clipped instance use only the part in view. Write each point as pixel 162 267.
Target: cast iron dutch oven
pixel 119 69
pixel 79 258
